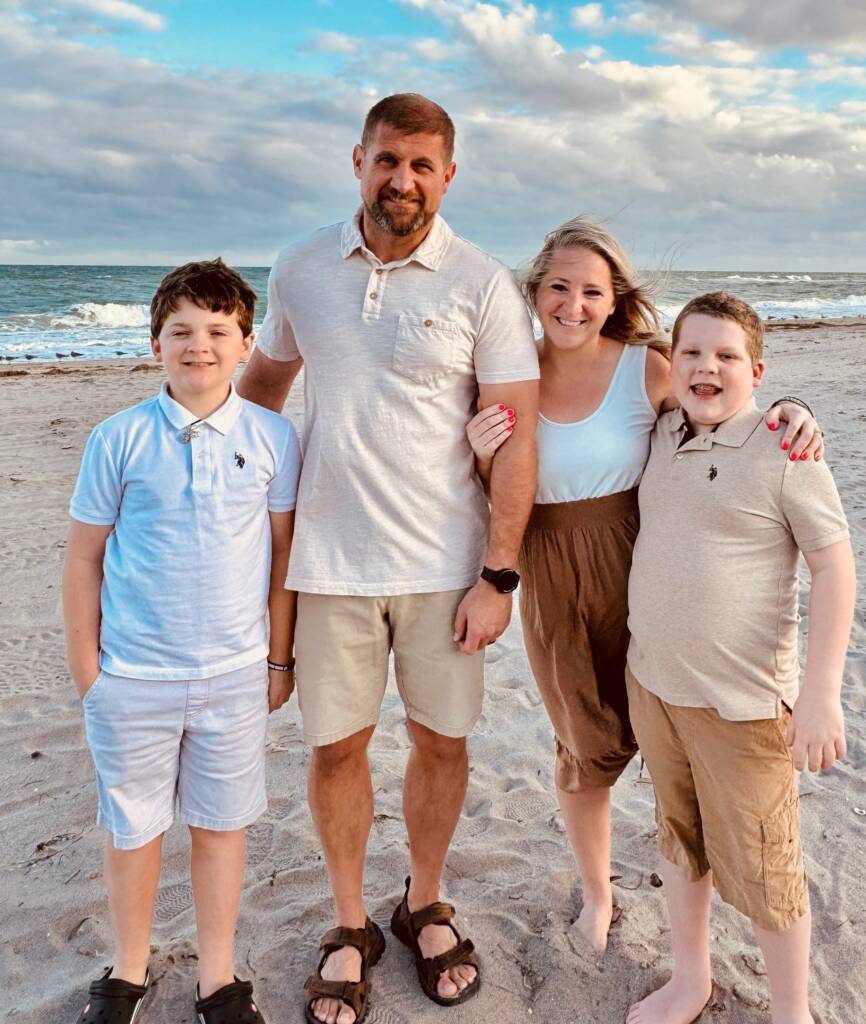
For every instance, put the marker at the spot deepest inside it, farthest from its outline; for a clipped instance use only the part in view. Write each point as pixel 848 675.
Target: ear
pixel 156 348
pixel 449 176
pixel 757 373
pixel 358 160
pixel 247 346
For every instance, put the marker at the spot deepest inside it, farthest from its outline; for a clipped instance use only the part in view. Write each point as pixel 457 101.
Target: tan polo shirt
pixel 713 595
pixel 389 501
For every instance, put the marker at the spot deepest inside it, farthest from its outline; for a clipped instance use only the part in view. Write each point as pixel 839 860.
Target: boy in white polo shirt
pixel 179 629
pixel 713 669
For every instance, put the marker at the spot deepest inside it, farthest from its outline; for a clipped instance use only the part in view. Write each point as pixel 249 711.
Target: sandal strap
pixel 116 988
pixel 113 995
pixel 460 954
pixel 434 913
pixel 336 938
pixel 352 993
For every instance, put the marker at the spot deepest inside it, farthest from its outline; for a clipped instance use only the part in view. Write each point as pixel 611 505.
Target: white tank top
pixel 606 452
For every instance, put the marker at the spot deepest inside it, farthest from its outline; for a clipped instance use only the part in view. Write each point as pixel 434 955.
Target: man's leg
pixel 340 792
pixel 587 822
pixel 786 956
pixel 691 985
pixel 217 872
pixel 131 879
pixel 433 792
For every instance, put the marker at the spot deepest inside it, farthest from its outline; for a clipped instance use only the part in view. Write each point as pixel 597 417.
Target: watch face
pixel 507 581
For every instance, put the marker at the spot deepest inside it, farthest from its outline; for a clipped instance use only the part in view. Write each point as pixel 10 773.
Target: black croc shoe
pixel 113 1000
pixel 231 1004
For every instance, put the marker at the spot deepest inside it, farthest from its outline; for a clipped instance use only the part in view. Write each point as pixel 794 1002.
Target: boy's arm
pixel 817 729
pixel 82 586
pixel 281 611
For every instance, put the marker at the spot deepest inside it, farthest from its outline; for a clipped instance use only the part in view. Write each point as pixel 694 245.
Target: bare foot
pixel 594 922
pixel 434 940
pixel 342 965
pixel 677 1002
pixel 792 1017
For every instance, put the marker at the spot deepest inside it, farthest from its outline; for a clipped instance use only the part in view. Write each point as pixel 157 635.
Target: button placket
pixel 375 291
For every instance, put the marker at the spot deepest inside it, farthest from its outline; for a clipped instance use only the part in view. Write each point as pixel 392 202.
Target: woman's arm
pixel 486 432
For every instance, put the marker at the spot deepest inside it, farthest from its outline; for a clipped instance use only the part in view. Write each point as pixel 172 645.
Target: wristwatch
pixel 505 580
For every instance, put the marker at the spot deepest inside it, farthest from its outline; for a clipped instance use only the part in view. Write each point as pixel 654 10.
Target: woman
pixel 604 381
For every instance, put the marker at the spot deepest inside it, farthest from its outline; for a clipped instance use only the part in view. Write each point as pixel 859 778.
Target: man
pixel 400 324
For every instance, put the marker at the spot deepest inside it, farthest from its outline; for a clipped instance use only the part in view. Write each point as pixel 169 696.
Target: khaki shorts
pixel 342 645
pixel 726 801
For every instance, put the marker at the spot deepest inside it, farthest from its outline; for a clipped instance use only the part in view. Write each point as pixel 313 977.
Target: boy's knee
pixel 212 837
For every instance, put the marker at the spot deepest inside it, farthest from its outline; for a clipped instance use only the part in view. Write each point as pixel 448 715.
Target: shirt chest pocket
pixel 424 349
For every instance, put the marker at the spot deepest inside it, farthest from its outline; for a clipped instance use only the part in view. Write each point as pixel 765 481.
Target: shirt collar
pixel 733 433
pixel 222 419
pixel 429 253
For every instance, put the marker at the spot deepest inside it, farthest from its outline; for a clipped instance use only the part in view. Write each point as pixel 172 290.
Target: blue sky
pixel 715 134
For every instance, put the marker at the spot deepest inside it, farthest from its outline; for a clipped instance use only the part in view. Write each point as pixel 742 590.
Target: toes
pixel 464 973
pixel 446 987
pixel 346 1015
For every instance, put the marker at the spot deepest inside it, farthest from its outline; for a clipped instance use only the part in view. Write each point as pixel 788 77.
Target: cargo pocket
pixel 424 349
pixel 784 875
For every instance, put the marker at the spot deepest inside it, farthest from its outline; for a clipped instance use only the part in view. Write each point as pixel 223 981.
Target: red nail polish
pixel 509 429
pixel 785 446
pixel 805 455
pixel 502 408
pixel 772 426
pixel 510 412
pixel 793 457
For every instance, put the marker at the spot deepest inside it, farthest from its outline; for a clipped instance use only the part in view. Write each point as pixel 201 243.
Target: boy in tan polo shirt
pixel 712 666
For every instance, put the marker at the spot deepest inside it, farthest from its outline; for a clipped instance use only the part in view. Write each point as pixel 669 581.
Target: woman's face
pixel 575 298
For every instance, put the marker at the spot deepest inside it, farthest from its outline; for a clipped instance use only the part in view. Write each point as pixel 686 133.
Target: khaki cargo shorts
pixel 726 802
pixel 342 643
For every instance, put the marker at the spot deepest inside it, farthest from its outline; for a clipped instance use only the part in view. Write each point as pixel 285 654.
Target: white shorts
pixel 199 742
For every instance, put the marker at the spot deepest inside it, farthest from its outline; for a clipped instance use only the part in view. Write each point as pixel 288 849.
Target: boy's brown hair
pixel 725 306
pixel 210 284
pixel 411 114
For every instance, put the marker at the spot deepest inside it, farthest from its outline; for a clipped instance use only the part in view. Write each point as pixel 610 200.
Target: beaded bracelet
pixel 796 401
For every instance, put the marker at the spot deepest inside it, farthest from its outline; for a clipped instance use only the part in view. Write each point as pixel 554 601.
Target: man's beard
pixel 381 215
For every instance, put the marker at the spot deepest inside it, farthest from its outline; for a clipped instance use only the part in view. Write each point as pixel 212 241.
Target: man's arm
pixel 281 610
pixel 817 730
pixel 82 586
pixel 484 613
pixel 267 381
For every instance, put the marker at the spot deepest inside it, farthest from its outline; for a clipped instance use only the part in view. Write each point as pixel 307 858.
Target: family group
pixel 651 513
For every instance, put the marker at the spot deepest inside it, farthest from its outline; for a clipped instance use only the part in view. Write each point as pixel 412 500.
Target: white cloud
pixel 126 159
pixel 332 42
pixel 120 10
pixel 432 50
pixel 587 16
pixel 778 23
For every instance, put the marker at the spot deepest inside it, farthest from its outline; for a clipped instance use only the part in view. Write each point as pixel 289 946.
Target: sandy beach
pixel 510 872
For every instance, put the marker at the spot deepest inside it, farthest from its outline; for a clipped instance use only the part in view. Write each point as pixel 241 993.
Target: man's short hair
pixel 411 114
pixel 725 306
pixel 210 284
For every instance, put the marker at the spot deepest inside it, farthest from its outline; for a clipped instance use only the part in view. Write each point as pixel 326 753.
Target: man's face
pixel 403 179
pixel 712 372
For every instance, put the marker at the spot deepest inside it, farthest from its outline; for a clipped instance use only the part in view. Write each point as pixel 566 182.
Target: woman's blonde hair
pixel 635 320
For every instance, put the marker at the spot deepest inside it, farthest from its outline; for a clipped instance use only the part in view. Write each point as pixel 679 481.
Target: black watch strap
pixel 505 580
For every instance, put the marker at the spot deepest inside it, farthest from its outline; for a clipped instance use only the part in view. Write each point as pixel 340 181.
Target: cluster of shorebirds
pixel 66 355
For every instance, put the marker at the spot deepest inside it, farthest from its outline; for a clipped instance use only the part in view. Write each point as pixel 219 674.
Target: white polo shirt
pixel 187 566
pixel 389 501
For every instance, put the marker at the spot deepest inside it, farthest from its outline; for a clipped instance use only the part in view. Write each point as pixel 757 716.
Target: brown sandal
pixel 370 943
pixel 406 926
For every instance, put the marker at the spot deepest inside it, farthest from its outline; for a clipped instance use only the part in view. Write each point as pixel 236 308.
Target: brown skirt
pixel 574 566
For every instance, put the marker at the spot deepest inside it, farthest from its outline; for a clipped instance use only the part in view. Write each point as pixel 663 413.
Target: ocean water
pixel 55 312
